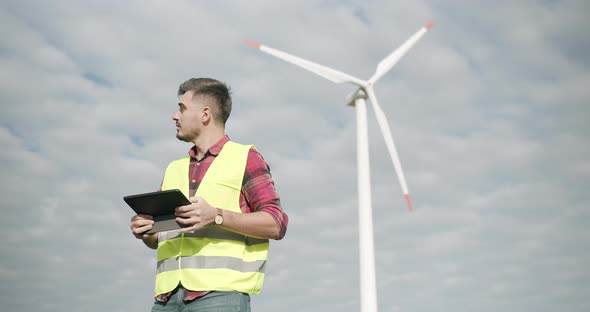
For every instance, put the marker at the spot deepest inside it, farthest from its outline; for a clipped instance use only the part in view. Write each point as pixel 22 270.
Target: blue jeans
pixel 215 301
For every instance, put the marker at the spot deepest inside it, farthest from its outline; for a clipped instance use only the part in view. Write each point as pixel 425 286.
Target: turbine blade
pixel 387 63
pixel 326 72
pixel 386 131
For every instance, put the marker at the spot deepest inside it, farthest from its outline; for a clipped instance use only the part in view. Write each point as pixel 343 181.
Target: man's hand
pixel 140 224
pixel 197 215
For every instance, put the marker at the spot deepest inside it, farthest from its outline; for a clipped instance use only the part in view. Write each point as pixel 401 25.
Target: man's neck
pixel 206 140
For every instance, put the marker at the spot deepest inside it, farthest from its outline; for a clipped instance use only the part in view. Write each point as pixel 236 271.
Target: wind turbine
pixel 357 99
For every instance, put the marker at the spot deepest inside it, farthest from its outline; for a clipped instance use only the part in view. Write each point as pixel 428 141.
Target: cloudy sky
pixel 489 112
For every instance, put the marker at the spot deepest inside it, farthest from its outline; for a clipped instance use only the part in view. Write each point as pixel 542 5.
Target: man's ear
pixel 206 117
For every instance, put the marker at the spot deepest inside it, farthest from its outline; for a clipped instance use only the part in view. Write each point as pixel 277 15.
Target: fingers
pixel 183 211
pixel 187 211
pixel 141 217
pixel 190 224
pixel 140 229
pixel 141 224
pixel 196 203
pixel 140 232
pixel 183 221
pixel 187 221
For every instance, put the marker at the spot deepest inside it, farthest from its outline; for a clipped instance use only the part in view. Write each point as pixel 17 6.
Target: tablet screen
pixel 161 206
pixel 157 203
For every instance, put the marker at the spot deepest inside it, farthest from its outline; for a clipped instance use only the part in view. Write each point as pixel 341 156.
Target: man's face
pixel 188 118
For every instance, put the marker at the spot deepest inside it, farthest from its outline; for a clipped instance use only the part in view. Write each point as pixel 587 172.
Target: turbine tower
pixel 365 90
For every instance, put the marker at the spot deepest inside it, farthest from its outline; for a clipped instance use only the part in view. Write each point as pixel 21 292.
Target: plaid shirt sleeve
pixel 259 192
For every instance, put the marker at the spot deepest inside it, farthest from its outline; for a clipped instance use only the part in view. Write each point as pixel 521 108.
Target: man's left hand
pixel 196 216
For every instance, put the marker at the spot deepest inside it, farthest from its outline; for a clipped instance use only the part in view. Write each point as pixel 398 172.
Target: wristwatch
pixel 219 217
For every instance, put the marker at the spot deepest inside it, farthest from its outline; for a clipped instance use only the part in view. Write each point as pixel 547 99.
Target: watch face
pixel 218 219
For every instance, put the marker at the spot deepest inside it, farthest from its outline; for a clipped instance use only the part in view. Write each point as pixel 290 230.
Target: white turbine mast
pixel 367 253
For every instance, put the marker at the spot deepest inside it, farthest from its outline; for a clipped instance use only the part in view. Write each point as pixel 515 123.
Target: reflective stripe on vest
pixel 211 258
pixel 211 262
pixel 215 232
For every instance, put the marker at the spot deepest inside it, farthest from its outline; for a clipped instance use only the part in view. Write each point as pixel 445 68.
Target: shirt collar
pixel 213 150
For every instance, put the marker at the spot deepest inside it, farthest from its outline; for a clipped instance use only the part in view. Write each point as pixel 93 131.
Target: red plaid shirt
pixel 258 192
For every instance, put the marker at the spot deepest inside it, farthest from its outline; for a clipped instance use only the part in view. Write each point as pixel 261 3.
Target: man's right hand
pixel 140 224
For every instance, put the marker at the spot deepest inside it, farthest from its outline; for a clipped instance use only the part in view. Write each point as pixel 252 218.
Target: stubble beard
pixel 186 137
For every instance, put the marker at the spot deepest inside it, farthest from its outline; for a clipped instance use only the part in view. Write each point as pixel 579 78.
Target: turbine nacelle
pixel 353 97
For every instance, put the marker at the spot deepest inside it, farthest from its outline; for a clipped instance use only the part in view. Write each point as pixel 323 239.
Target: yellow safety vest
pixel 211 258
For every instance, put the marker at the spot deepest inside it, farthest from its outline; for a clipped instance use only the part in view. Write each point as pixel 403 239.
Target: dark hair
pixel 213 88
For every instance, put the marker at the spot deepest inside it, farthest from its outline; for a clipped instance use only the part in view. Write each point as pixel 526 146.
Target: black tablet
pixel 160 205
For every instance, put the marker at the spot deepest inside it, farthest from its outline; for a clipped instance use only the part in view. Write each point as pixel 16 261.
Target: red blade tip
pixel 252 44
pixel 429 25
pixel 409 202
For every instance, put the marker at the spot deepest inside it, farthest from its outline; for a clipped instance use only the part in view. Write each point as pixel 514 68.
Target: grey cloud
pixel 488 112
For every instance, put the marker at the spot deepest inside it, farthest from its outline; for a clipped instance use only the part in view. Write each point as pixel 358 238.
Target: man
pixel 218 259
